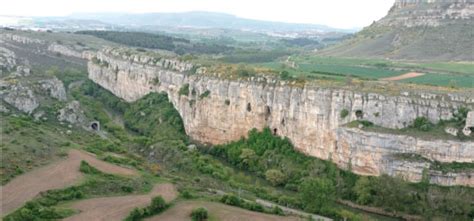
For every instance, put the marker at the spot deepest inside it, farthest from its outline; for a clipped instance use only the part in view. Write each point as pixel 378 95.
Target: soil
pixel 217 211
pixel 118 208
pixel 57 175
pixel 403 76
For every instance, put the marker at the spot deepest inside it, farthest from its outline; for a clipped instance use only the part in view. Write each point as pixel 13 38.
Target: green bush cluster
pixel 423 124
pixel 199 214
pixel 184 90
pixel 205 94
pixel 317 184
pixel 157 206
pixel 344 113
pixel 235 201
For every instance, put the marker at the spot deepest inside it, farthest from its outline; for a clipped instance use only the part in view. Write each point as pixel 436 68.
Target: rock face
pixel 72 113
pixel 412 13
pixel 55 87
pixel 63 50
pixel 309 116
pixel 19 96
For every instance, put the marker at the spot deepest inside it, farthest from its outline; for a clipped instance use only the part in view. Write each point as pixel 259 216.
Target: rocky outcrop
pixel 412 13
pixel 64 50
pixel 55 87
pixel 7 60
pixel 21 39
pixel 19 96
pixel 375 153
pixel 309 116
pixel 72 113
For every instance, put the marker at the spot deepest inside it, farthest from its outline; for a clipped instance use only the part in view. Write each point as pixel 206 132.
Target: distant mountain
pixel 201 20
pixel 416 30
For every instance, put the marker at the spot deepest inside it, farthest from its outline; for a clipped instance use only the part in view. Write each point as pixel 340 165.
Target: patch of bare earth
pixel 182 210
pixel 118 208
pixel 403 76
pixel 54 176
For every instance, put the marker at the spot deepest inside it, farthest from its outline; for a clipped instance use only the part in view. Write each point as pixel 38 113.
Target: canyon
pixel 218 110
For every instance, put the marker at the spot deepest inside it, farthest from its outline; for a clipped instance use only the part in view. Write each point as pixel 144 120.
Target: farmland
pixel 449 74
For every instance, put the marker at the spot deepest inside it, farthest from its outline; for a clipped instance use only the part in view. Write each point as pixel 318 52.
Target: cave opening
pixel 249 107
pixel 275 131
pixel 359 114
pixel 95 126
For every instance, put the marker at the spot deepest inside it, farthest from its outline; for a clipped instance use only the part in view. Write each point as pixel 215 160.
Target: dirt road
pixel 54 176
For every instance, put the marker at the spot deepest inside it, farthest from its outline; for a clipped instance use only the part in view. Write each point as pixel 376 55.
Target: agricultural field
pixel 447 74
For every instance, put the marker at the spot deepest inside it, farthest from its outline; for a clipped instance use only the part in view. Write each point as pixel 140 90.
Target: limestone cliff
pixel 309 116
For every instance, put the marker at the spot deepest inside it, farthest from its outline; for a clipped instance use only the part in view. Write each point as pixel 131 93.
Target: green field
pixel 449 74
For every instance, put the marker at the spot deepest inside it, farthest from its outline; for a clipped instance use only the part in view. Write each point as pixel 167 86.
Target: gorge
pixel 217 110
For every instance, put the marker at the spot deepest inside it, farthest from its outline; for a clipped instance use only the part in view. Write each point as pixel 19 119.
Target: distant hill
pixel 199 20
pixel 416 30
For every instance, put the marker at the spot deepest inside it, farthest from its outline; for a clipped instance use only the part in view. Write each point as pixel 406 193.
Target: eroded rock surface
pixel 72 113
pixel 55 87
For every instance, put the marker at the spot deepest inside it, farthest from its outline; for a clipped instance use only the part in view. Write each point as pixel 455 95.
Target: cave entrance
pixel 95 126
pixel 359 114
pixel 275 131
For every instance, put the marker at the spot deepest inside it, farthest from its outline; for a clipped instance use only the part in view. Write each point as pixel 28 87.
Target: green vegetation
pixel 154 41
pixel 199 214
pixel 96 184
pixel 184 90
pixel 315 185
pixel 205 94
pixel 233 200
pixel 344 113
pixel 157 206
pixel 452 74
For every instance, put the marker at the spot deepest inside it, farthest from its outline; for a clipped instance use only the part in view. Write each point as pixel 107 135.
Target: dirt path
pixel 118 208
pixel 403 76
pixel 182 210
pixel 54 176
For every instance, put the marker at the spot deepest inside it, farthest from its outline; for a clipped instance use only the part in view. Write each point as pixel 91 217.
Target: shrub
pixel 231 200
pixel 205 94
pixel 158 204
pixel 275 177
pixel 88 169
pixel 184 90
pixel 278 211
pixel 422 123
pixel 344 113
pixel 285 75
pixel 199 214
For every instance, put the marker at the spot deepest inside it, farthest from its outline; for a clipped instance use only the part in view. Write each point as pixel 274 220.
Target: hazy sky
pixel 335 13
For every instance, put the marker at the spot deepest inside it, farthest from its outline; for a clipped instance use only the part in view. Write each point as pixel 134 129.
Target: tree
pixel 317 193
pixel 247 157
pixel 158 204
pixel 364 190
pixel 275 177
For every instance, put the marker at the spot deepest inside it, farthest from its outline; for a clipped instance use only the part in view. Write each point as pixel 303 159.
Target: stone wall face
pixel 309 116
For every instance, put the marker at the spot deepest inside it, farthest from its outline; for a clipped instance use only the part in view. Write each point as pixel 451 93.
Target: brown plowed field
pixel 182 210
pixel 54 176
pixel 403 76
pixel 118 208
